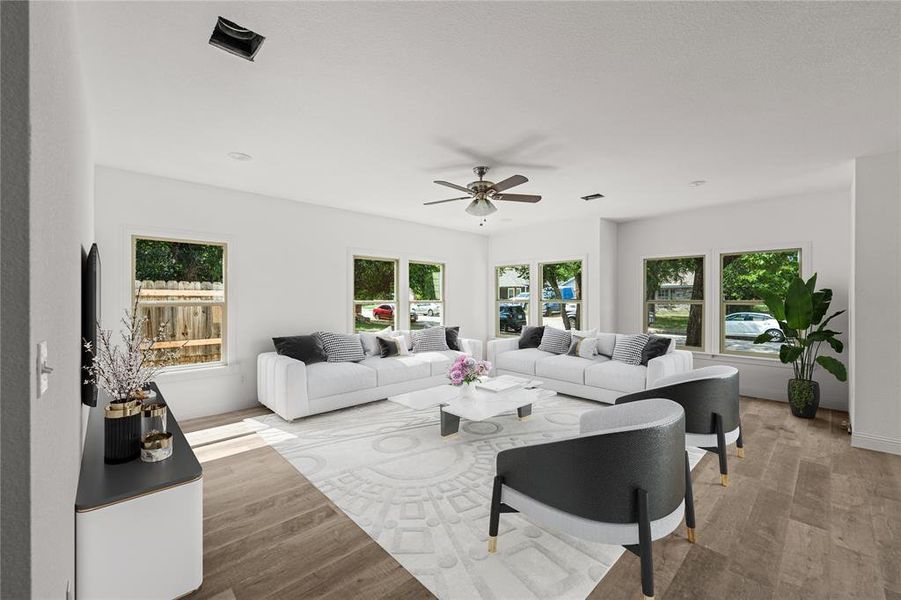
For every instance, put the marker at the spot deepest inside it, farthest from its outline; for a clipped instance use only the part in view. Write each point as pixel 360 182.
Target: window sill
pixel 197 372
pixel 760 361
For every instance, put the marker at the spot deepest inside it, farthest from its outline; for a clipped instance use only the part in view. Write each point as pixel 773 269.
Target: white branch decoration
pixel 122 370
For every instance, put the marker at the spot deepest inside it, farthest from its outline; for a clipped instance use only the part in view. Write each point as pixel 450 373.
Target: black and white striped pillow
pixel 431 339
pixel 629 347
pixel 557 341
pixel 342 347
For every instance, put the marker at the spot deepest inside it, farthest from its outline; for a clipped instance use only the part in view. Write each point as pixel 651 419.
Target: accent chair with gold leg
pixel 621 481
pixel 711 402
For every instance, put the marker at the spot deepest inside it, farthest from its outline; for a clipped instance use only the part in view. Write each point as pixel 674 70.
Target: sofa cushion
pixel 563 368
pixel 531 336
pixel 452 337
pixel 606 344
pixel 327 379
pixel 398 369
pixel 440 361
pixel 305 348
pixel 430 339
pixel 628 348
pixel 657 346
pixel 520 361
pixel 617 376
pixel 341 347
pixel 555 340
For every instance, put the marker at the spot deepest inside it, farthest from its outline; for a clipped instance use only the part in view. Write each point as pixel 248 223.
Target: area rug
pixel 425 499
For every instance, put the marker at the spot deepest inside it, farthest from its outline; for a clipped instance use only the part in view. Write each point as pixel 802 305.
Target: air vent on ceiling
pixel 238 40
pixel 592 197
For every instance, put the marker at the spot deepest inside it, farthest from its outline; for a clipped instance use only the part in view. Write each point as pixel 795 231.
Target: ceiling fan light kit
pixel 482 192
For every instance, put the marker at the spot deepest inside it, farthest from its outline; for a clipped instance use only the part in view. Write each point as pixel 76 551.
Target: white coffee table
pixel 480 406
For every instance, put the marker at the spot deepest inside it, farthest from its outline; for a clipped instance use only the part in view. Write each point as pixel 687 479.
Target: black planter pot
pixel 803 397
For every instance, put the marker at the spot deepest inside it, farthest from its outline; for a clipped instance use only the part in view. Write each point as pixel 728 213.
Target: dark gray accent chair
pixel 711 402
pixel 621 481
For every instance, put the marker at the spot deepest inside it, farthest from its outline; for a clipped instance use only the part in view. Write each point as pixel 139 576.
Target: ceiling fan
pixel 482 193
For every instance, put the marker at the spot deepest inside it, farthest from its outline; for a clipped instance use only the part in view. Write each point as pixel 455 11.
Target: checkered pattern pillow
pixel 558 341
pixel 432 339
pixel 342 347
pixel 629 347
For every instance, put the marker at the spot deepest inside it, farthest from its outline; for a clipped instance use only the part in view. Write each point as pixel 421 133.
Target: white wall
pixel 287 271
pixel 818 223
pixel 592 240
pixel 61 228
pixel 876 333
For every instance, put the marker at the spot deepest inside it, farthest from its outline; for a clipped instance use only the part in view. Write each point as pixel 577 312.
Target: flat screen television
pixel 90 319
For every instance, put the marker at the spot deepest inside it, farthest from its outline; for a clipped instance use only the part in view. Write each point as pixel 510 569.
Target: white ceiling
pixel 362 105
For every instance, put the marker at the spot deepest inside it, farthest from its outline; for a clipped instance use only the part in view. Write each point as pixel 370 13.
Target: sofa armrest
pixel 471 347
pixel 282 385
pixel 499 346
pixel 678 361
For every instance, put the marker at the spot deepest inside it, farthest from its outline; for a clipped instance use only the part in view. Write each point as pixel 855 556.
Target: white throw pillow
pixel 606 344
pixel 586 333
pixel 371 343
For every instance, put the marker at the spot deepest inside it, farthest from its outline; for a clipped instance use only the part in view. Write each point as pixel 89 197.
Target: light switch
pixel 44 369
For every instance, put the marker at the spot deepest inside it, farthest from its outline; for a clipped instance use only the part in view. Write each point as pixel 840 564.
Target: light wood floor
pixel 805 516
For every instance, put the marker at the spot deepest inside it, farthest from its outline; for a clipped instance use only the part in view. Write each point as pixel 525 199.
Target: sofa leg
pixel 644 545
pixel 721 449
pixel 689 503
pixel 495 516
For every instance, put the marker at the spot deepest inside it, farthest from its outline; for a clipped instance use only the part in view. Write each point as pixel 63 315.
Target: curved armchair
pixel 622 481
pixel 711 402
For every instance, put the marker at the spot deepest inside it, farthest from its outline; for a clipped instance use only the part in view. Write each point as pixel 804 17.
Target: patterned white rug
pixel 425 500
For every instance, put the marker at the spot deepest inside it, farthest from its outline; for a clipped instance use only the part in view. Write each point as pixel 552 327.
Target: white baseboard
pixel 879 443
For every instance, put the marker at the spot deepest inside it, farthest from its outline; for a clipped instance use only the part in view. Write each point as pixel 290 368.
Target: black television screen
pixel 90 318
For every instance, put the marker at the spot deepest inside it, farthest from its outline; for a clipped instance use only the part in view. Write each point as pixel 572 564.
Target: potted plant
pixel 801 312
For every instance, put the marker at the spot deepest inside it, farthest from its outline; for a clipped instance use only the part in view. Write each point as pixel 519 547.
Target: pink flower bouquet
pixel 466 369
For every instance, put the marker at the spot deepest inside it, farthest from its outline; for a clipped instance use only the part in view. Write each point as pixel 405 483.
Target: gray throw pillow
pixel 558 341
pixel 629 347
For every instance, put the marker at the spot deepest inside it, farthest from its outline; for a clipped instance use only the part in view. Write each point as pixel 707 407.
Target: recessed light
pixel 697 183
pixel 592 197
pixel 239 156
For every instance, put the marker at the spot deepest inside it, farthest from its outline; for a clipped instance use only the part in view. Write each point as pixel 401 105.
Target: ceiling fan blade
pixel 509 182
pixel 517 197
pixel 454 185
pixel 443 201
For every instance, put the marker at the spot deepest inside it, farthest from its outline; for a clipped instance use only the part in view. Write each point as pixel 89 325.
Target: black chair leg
pixel 644 545
pixel 495 517
pixel 689 503
pixel 739 443
pixel 721 449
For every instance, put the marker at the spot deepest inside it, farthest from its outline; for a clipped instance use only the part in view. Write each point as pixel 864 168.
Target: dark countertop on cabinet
pixel 101 484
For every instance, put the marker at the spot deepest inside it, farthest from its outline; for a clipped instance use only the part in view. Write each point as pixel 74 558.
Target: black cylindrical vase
pixel 121 432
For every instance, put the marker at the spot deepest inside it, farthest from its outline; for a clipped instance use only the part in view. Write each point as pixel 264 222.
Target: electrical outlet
pixel 44 369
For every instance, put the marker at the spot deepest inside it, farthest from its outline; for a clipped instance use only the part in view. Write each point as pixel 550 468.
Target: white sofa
pixel 598 379
pixel 293 389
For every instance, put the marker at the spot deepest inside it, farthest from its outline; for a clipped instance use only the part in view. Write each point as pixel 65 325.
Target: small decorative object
pixel 156 446
pixel 153 419
pixel 466 372
pixel 801 313
pixel 124 371
pixel 121 431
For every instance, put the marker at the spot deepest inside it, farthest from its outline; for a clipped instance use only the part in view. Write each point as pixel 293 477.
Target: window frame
pixel 702 303
pixel 497 300
pixel 722 302
pixel 541 300
pixel 353 293
pixel 442 302
pixel 223 361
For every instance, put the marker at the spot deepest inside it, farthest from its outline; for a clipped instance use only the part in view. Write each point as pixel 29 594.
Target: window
pixel 375 293
pixel 180 286
pixel 743 315
pixel 561 294
pixel 674 299
pixel 511 299
pixel 426 282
